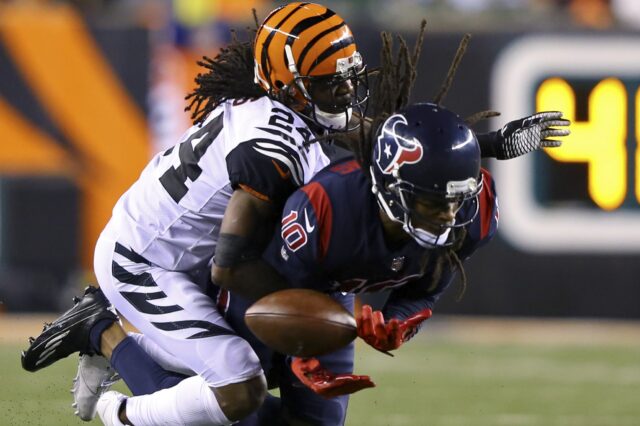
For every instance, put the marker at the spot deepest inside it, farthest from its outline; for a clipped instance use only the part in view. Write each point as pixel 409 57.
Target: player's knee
pixel 238 400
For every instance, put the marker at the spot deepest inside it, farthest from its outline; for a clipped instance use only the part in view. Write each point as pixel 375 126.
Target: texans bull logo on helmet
pixel 394 150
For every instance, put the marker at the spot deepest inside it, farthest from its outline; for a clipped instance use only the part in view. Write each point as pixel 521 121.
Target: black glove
pixel 522 136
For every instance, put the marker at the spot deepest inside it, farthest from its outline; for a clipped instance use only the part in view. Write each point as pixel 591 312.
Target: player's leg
pixel 174 312
pixel 91 327
pixel 165 359
pixel 190 402
pixel 233 308
pixel 95 374
pixel 72 332
pixel 300 405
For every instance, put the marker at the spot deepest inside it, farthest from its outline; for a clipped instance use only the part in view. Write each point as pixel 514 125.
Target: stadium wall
pixel 73 109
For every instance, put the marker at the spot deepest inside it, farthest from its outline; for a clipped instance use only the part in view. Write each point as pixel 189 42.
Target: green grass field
pixel 433 380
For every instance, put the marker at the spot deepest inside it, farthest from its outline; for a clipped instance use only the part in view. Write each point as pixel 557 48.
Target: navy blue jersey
pixel 331 239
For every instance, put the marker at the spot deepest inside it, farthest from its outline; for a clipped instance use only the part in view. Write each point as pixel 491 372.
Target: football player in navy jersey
pixel 404 218
pixel 404 221
pixel 219 190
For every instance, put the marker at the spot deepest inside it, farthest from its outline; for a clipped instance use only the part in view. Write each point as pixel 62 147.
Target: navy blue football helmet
pixel 425 151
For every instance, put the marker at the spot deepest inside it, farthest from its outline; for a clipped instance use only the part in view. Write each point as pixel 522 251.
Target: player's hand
pixel 388 336
pixel 528 134
pixel 325 383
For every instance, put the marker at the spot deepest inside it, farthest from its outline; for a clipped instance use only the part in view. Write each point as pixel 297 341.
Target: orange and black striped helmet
pixel 302 40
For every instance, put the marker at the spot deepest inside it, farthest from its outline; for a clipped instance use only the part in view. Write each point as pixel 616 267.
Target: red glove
pixel 325 383
pixel 386 337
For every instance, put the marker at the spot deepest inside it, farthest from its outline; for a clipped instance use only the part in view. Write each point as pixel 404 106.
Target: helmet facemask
pixel 333 114
pixel 397 198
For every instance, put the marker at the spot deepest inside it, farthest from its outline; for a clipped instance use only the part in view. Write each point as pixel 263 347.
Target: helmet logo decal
pixel 395 150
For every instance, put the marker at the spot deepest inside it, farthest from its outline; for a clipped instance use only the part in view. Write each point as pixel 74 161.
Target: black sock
pixel 95 334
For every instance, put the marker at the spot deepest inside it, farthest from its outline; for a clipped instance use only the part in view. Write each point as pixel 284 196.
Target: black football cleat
pixel 70 332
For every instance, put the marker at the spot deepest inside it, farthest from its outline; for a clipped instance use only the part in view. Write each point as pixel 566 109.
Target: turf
pixel 463 384
pixel 427 383
pixel 40 398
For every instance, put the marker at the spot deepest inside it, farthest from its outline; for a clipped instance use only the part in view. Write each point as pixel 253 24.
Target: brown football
pixel 301 322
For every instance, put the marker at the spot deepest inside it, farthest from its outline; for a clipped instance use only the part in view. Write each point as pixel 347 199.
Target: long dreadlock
pixel 391 92
pixel 229 76
pixel 393 77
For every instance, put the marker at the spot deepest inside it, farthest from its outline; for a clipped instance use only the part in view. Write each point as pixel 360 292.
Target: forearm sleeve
pixel 488 143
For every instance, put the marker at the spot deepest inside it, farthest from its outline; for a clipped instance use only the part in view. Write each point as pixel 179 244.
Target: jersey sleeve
pixel 418 295
pixel 265 173
pixel 266 155
pixel 300 245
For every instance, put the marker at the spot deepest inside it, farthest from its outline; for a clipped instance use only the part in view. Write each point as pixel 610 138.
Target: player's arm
pixel 238 267
pixel 400 319
pixel 261 185
pixel 405 310
pixel 297 250
pixel 300 244
pixel 522 136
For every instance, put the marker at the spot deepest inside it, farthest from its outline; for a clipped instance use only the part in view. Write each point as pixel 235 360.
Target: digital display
pixel 600 141
pixel 582 197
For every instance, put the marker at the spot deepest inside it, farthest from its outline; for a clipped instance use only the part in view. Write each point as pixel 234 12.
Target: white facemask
pixel 337 121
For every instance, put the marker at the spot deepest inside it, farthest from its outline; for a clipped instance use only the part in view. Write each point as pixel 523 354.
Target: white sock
pixel 159 355
pixel 190 402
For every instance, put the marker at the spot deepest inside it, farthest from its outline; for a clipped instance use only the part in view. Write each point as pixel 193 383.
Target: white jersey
pixel 171 215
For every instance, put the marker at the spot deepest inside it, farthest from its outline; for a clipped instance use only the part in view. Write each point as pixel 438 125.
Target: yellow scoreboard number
pixel 600 142
pixel 551 72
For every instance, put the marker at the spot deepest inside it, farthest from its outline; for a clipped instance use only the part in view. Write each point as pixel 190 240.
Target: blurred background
pixel 547 332
pixel 89 90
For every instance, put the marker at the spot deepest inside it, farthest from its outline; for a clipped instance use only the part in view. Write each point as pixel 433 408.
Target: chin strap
pixel 426 239
pixel 338 121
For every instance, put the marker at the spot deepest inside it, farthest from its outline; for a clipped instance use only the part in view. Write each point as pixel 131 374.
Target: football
pixel 301 322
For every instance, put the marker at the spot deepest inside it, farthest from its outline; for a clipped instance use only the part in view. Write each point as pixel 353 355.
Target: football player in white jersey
pixel 219 190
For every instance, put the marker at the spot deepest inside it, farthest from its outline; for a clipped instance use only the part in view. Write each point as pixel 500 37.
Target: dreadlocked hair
pixel 446 84
pixel 442 257
pixel 229 75
pixel 478 116
pixel 392 90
